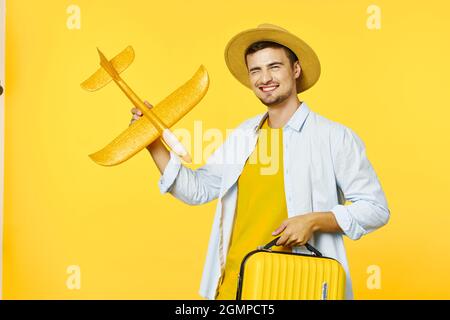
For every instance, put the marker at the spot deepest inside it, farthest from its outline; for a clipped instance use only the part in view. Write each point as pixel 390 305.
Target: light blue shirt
pixel 325 164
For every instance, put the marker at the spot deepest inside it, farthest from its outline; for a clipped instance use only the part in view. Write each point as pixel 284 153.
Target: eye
pixel 275 67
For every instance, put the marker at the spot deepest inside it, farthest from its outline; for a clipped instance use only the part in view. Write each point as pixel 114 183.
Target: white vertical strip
pixel 2 130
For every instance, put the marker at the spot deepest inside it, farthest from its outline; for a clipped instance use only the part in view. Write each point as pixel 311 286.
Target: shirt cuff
pixel 170 173
pixel 343 219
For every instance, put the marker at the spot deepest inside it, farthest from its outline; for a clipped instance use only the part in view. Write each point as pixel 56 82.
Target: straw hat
pixel 236 47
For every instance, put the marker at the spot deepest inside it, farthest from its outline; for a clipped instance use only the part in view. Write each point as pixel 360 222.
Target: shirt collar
pixel 295 122
pixel 299 117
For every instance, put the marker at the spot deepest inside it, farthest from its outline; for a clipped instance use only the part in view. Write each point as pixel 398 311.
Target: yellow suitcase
pixel 274 275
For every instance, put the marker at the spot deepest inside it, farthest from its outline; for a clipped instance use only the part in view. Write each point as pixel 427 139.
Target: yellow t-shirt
pixel 261 205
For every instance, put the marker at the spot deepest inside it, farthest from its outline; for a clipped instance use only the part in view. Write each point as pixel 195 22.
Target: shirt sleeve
pixel 170 173
pixel 191 186
pixel 359 184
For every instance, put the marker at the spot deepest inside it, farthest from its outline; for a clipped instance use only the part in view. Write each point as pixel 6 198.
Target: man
pixel 322 163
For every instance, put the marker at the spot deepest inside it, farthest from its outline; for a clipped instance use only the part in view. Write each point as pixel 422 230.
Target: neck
pixel 280 114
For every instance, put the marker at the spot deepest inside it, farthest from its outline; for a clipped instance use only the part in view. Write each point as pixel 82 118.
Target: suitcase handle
pixel 307 245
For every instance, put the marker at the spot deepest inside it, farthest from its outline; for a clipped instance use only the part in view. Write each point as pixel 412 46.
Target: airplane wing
pixel 101 77
pixel 142 132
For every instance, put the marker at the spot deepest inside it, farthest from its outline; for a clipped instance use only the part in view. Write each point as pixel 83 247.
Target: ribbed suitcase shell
pixel 274 275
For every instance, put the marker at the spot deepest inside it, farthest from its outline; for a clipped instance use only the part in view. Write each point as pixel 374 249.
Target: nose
pixel 266 76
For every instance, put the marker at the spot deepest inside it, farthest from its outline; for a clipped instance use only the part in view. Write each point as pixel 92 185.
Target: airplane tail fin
pixel 109 69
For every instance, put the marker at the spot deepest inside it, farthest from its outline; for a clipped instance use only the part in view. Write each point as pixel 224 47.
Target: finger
pixel 136 117
pixel 279 229
pixel 148 104
pixel 292 241
pixel 136 111
pixel 282 240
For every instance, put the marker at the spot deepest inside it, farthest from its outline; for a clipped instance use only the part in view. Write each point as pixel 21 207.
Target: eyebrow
pixel 269 65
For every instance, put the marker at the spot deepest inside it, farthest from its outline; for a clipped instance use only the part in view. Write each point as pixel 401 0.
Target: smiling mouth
pixel 268 88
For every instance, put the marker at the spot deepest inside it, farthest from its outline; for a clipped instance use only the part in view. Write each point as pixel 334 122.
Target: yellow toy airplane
pixel 156 121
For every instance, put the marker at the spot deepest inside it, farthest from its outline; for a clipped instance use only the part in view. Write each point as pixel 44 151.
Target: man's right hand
pixel 137 114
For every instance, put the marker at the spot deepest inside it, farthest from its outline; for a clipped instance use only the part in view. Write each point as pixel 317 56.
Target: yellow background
pixel 61 209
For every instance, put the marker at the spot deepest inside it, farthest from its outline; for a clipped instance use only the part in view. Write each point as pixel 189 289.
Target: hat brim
pixel 236 47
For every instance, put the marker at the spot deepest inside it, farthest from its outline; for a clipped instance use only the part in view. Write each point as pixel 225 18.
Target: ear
pixel 297 69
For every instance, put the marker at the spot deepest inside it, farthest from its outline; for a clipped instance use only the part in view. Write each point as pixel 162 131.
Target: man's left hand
pixel 297 230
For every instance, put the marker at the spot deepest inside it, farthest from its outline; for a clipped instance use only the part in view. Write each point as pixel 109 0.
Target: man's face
pixel 271 75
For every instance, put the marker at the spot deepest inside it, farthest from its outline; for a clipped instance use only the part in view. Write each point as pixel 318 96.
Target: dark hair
pixel 256 46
